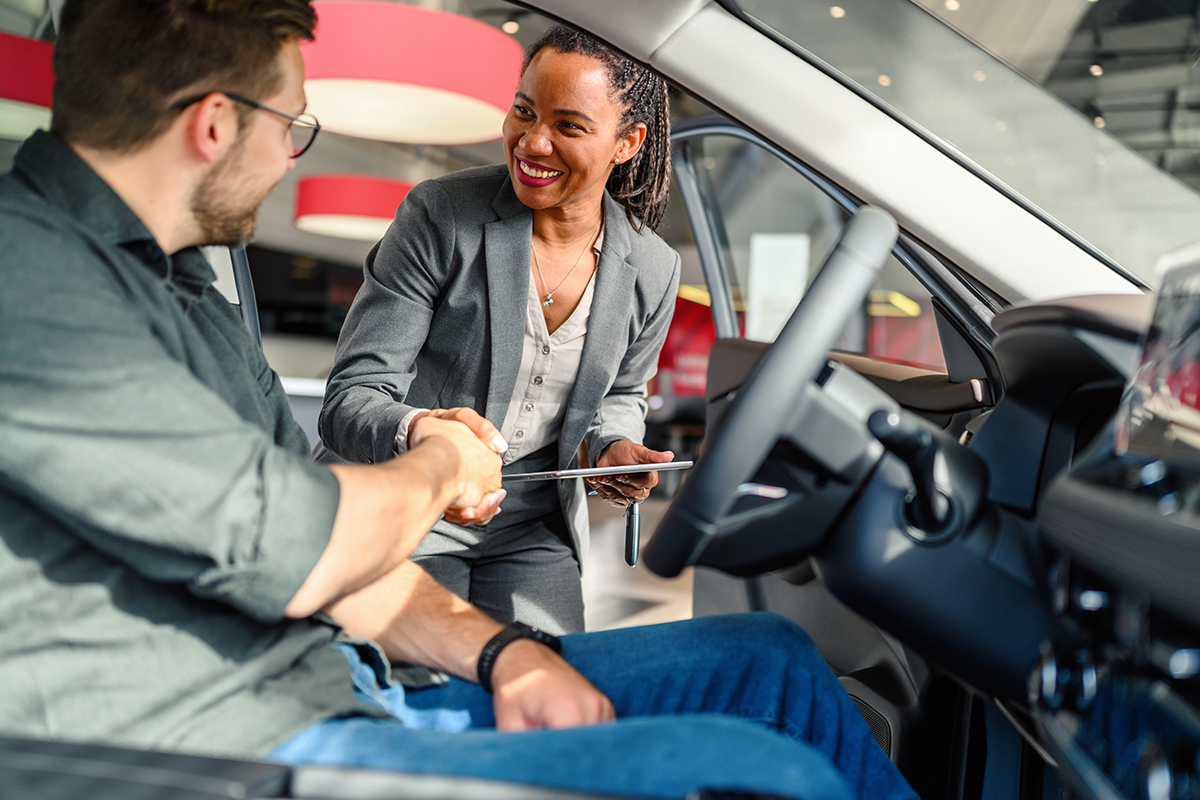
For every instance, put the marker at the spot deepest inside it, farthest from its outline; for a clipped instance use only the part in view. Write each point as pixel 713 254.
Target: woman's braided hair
pixel 642 183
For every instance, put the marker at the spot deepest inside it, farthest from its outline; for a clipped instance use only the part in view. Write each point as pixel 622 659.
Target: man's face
pixel 225 202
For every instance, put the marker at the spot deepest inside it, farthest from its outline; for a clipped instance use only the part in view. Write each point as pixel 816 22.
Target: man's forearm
pixel 414 618
pixel 383 512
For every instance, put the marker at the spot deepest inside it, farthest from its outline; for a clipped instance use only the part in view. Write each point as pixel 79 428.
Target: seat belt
pixel 245 291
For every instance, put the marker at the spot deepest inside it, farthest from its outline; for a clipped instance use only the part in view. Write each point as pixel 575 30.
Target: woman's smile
pixel 531 174
pixel 564 112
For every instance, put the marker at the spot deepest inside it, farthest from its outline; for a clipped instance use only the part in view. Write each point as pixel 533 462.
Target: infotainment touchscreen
pixel 1159 416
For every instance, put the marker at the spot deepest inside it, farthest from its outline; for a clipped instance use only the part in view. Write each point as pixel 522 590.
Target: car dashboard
pixel 1116 696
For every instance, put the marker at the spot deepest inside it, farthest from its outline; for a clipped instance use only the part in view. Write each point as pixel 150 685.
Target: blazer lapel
pixel 607 326
pixel 506 250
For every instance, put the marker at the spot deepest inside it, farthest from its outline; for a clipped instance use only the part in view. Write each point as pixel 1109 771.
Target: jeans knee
pixel 763 635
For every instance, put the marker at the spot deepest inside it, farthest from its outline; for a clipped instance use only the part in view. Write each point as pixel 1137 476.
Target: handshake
pixel 477 446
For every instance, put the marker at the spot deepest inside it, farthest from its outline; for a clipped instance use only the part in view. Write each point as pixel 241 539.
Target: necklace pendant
pixel 549 301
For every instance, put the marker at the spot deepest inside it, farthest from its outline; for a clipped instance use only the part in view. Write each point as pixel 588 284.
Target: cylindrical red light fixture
pixel 26 85
pixel 402 73
pixel 347 206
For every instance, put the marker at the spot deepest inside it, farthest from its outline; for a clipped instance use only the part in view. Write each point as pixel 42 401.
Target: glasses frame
pixel 306 121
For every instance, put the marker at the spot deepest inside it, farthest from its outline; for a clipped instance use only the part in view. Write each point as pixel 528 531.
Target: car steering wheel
pixel 766 404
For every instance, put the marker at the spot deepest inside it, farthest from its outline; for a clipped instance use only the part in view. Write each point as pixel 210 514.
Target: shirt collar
pixel 67 181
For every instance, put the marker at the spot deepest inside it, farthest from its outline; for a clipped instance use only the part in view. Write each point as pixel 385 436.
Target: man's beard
pixel 225 210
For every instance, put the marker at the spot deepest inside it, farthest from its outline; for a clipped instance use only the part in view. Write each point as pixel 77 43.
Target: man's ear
pixel 211 127
pixel 629 144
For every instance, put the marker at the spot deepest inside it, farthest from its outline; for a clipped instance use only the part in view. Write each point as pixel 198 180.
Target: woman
pixel 536 293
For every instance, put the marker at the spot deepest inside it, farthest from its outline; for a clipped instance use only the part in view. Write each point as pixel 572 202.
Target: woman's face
pixel 560 136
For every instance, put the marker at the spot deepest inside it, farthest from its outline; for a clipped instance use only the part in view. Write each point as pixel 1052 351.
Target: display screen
pixel 1159 416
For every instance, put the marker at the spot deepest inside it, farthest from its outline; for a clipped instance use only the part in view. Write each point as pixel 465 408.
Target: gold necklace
pixel 549 301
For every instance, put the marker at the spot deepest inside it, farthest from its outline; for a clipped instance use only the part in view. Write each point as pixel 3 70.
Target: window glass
pixel 1000 121
pixel 776 228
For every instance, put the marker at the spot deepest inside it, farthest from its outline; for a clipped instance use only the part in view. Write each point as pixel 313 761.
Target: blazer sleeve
pixel 622 411
pixel 386 327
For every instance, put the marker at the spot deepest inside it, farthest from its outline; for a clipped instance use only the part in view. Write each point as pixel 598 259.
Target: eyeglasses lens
pixel 304 131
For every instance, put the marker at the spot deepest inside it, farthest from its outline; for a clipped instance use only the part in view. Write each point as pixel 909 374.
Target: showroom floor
pixel 617 596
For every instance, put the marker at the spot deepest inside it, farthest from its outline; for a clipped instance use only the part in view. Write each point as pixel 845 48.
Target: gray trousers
pixel 521 566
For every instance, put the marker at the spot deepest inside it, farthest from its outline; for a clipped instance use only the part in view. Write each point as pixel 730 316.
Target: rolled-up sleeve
pixel 104 427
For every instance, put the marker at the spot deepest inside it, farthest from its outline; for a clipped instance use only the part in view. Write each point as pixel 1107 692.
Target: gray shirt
pixel 158 508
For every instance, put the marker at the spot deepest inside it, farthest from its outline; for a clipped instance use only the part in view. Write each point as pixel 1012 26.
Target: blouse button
pixel 546 349
pixel 538 380
pixel 520 434
pixel 529 406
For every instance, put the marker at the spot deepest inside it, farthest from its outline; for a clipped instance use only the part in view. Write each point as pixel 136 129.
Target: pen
pixel 633 531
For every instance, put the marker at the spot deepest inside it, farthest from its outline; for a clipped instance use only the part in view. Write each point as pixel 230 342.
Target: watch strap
pixel 510 634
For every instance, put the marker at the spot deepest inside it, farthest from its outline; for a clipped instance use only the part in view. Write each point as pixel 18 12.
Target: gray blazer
pixel 440 323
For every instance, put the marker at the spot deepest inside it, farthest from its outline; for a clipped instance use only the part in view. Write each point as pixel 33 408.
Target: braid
pixel 641 184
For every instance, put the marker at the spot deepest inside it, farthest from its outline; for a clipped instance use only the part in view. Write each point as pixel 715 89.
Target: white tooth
pixel 537 173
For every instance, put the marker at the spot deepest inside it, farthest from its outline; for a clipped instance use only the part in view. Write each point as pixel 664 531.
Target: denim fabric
pixel 739 703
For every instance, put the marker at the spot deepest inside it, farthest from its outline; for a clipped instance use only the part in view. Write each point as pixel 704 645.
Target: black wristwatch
pixel 517 630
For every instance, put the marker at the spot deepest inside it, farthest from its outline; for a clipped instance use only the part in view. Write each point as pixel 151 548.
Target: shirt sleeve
pixel 400 447
pixel 386 328
pixel 111 435
pixel 622 411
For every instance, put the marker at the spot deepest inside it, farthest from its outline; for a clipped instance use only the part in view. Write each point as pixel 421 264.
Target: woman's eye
pixel 522 111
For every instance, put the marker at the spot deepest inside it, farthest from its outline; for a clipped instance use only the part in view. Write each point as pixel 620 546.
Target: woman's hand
pixel 621 490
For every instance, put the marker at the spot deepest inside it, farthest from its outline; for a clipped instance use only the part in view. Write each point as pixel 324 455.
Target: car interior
pixel 945 431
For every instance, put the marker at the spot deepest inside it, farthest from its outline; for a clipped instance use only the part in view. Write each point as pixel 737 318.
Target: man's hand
pixel 535 688
pixel 481 494
pixel 385 509
pixel 621 490
pixel 417 619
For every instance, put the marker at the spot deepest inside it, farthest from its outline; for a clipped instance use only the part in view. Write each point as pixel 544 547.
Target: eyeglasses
pixel 303 128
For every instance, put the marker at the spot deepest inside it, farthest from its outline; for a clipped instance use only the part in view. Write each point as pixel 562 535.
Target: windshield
pixel 1059 159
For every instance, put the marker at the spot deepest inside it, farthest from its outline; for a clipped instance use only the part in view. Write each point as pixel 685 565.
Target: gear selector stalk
pixel 912 444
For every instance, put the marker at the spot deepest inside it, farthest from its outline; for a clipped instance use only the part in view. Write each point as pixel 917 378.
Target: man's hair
pixel 642 183
pixel 119 65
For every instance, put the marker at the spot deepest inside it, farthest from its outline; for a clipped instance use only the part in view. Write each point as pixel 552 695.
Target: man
pixel 176 574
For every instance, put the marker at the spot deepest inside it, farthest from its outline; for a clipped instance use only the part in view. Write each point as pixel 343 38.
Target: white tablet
pixel 561 474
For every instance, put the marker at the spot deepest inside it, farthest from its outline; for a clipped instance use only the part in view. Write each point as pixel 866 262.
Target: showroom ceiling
pixel 1127 64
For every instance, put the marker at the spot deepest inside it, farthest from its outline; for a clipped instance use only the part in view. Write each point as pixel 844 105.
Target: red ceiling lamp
pixel 26 85
pixel 401 73
pixel 347 206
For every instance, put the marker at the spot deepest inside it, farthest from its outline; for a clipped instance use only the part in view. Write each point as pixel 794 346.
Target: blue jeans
pixel 739 703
